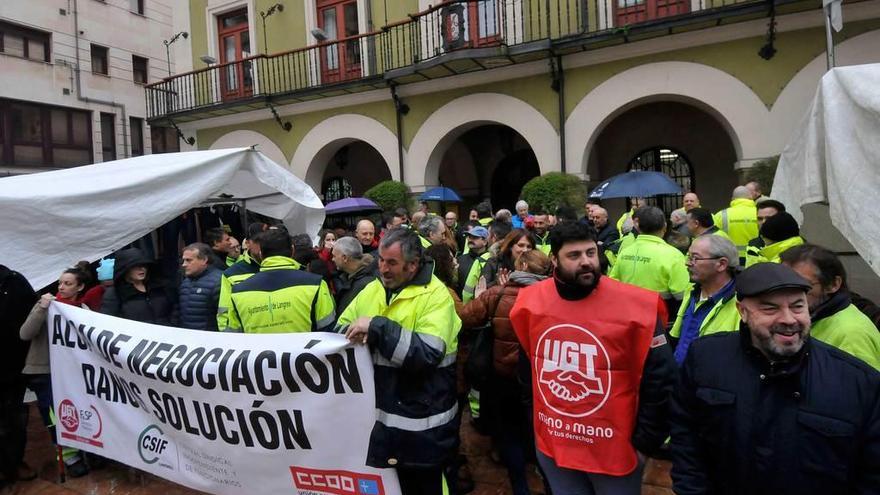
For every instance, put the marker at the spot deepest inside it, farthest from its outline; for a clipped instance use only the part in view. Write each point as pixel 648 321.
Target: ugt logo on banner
pixel 573 370
pixel 80 425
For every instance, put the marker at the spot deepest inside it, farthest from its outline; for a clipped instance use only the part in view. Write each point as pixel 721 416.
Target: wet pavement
pixel 489 477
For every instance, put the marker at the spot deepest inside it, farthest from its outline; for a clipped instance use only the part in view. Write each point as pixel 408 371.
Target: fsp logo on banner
pixel 80 425
pixel 573 370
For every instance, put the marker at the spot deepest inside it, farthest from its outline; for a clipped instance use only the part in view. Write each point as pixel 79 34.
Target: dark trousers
pixel 42 386
pixel 510 426
pixel 420 481
pixel 13 425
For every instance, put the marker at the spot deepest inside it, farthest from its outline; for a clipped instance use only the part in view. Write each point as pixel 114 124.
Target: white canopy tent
pixel 834 158
pixel 51 220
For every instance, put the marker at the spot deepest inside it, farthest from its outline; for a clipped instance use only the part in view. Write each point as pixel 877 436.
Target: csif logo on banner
pixel 573 370
pixel 336 482
pixel 80 425
pixel 156 448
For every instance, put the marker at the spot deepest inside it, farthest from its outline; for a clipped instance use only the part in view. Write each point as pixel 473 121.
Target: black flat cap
pixel 768 277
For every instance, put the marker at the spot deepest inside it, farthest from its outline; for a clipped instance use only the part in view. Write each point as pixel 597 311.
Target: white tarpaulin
pixel 834 157
pixel 232 414
pixel 51 220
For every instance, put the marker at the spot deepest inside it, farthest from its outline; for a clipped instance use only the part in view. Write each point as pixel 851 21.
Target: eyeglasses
pixel 693 259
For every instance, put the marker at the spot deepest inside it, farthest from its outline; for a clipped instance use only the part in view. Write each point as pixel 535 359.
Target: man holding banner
pixel 408 320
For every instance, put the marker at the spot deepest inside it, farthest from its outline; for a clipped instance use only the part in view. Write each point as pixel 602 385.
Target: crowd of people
pixel 735 347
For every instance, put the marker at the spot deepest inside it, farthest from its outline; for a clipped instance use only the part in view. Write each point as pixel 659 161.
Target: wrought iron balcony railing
pixel 452 37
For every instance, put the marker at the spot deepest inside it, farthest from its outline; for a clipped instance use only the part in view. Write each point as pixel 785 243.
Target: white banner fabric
pixel 217 412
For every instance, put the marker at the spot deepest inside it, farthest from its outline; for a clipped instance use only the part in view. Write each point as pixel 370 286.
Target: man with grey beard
pixel 770 410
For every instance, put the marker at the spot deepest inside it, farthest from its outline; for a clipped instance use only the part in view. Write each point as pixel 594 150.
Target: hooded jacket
pixel 157 305
pixel 840 324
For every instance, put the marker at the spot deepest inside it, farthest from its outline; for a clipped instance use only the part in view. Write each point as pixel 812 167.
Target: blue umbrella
pixel 440 194
pixel 349 205
pixel 636 184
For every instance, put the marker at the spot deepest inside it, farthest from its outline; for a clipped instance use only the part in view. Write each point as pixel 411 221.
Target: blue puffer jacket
pixel 198 300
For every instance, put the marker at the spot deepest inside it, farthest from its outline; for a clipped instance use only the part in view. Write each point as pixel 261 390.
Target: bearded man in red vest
pixel 602 371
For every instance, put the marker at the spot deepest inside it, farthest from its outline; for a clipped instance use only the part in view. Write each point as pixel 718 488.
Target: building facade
pixel 483 95
pixel 72 79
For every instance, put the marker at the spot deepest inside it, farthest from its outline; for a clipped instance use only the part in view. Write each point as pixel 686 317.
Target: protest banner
pixel 218 412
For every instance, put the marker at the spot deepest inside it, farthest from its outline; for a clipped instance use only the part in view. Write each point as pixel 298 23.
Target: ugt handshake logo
pixel 573 369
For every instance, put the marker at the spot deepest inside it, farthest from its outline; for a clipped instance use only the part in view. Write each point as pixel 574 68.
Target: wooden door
pixel 236 74
pixel 341 55
pixel 630 12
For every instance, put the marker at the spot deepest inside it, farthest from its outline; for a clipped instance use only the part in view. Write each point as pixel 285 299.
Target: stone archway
pixel 461 115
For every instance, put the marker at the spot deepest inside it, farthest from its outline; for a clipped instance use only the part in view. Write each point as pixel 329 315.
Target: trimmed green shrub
pixel 389 194
pixel 763 172
pixel 550 191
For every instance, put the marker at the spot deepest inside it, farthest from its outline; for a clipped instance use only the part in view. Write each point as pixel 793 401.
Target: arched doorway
pixel 683 140
pixel 351 170
pixel 489 161
pixel 672 163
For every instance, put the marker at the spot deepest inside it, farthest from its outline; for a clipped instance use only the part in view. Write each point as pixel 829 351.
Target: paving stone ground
pixel 490 477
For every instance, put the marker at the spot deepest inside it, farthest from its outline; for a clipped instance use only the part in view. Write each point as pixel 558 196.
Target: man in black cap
pixel 780 233
pixel 769 410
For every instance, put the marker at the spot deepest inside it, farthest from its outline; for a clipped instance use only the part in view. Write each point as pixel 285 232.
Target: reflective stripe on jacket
pixel 413 337
pixel 473 277
pixel 740 221
pixel 281 299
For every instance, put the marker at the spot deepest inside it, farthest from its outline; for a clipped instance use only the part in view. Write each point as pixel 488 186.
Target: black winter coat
pixel 198 298
pixel 17 297
pixel 157 305
pixel 742 425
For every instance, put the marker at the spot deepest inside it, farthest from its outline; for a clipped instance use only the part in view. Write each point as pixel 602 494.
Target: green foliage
pixel 389 194
pixel 763 172
pixel 553 190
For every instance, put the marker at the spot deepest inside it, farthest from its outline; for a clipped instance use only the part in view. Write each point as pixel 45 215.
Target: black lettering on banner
pixel 345 371
pixel 165 372
pixel 155 359
pixel 270 387
pixel 68 328
pixel 186 370
pixel 207 382
pixel 81 341
pixel 231 438
pixel 224 382
pixel 57 335
pixel 184 416
pixel 241 376
pixel 292 429
pixel 265 427
pixel 172 413
pixel 156 400
pixel 205 419
pixel 243 428
pixel 113 349
pixel 89 378
pixel 322 384
pixel 138 355
pixel 287 373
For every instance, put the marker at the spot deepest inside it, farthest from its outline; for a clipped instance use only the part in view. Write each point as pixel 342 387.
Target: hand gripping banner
pixel 217 412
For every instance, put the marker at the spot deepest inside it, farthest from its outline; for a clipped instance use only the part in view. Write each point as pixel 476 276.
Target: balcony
pixel 451 38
